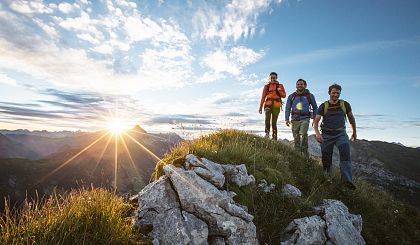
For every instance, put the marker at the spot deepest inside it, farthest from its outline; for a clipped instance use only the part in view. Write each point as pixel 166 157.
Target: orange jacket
pixel 270 96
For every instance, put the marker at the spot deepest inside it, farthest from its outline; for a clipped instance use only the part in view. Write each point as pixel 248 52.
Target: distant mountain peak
pixel 139 129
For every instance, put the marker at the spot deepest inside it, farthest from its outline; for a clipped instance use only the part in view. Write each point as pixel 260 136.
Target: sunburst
pixel 117 129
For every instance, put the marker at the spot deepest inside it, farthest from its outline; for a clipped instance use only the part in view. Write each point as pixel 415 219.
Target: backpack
pixel 343 108
pixel 308 97
pixel 307 94
pixel 342 105
pixel 279 101
pixel 267 87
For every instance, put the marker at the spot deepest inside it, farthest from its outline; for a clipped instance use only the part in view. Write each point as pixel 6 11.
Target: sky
pixel 192 67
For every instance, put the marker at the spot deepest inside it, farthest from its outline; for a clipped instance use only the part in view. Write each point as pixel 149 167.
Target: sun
pixel 116 125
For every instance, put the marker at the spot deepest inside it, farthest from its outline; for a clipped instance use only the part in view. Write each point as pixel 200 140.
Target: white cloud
pixel 138 29
pixel 66 7
pixel 7 80
pixel 231 61
pixel 30 7
pixel 47 28
pixel 237 19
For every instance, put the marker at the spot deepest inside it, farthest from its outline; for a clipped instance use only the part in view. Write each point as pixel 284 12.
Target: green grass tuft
pixel 94 216
pixel 385 221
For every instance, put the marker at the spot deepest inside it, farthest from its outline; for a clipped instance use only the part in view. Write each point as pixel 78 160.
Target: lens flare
pixel 116 125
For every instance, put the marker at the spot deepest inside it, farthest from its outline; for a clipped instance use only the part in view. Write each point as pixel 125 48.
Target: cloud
pixel 229 61
pixel 29 6
pixel 7 80
pixel 66 7
pixel 110 52
pixel 236 19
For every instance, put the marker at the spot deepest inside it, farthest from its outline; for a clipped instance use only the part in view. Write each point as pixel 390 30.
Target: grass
pixel 385 221
pixel 94 216
pixel 98 216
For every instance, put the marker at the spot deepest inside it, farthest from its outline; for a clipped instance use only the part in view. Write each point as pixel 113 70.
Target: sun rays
pixel 117 134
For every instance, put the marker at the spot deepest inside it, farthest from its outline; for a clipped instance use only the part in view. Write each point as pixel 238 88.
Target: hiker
pixel 333 129
pixel 271 99
pixel 299 105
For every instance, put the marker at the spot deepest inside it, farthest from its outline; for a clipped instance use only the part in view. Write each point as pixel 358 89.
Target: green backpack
pixel 327 105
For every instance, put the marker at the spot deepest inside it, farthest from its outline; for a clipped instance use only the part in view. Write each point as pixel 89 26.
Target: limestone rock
pixel 340 223
pixel 237 174
pixel 265 187
pixel 307 230
pixel 333 224
pixel 190 206
pixel 290 190
pixel 208 170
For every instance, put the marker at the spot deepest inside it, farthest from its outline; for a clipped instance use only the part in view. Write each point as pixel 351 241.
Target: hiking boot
pixel 267 135
pixel 274 136
pixel 350 185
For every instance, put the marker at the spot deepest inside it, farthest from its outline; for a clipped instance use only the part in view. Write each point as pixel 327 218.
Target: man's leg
pixel 303 132
pixel 327 148
pixel 267 111
pixel 343 146
pixel 276 112
pixel 296 136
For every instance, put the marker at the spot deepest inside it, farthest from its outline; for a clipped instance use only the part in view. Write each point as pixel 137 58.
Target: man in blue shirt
pixel 299 106
pixel 333 127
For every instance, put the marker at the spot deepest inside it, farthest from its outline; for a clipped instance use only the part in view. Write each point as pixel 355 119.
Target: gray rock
pixel 290 190
pixel 156 198
pixel 333 224
pixel 265 187
pixel 340 223
pixel 237 174
pixel 173 228
pixel 208 170
pixel 307 230
pixel 215 207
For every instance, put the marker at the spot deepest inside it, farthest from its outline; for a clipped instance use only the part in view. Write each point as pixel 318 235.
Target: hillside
pixel 385 221
pixel 388 166
pixel 68 168
pixel 12 149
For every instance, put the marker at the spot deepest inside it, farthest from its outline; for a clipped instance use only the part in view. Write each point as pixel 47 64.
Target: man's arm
pixel 317 133
pixel 352 122
pixel 314 105
pixel 287 112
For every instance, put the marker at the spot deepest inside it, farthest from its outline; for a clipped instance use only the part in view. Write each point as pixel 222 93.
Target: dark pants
pixel 271 114
pixel 342 142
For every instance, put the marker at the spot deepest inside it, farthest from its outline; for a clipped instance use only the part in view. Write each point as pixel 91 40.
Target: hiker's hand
pixel 353 137
pixel 319 138
pixel 287 123
pixel 260 111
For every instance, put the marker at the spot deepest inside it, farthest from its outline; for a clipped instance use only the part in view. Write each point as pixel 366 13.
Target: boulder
pixel 333 224
pixel 307 230
pixel 342 227
pixel 190 205
pixel 290 190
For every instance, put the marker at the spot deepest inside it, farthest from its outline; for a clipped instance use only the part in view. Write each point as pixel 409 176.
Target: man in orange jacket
pixel 271 99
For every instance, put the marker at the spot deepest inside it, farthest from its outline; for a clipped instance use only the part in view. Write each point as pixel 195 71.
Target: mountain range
pixel 39 161
pixel 46 162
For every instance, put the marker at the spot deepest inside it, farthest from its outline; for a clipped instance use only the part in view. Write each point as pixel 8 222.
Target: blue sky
pixel 195 66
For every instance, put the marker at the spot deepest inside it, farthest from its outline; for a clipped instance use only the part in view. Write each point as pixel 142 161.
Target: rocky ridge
pixel 189 205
